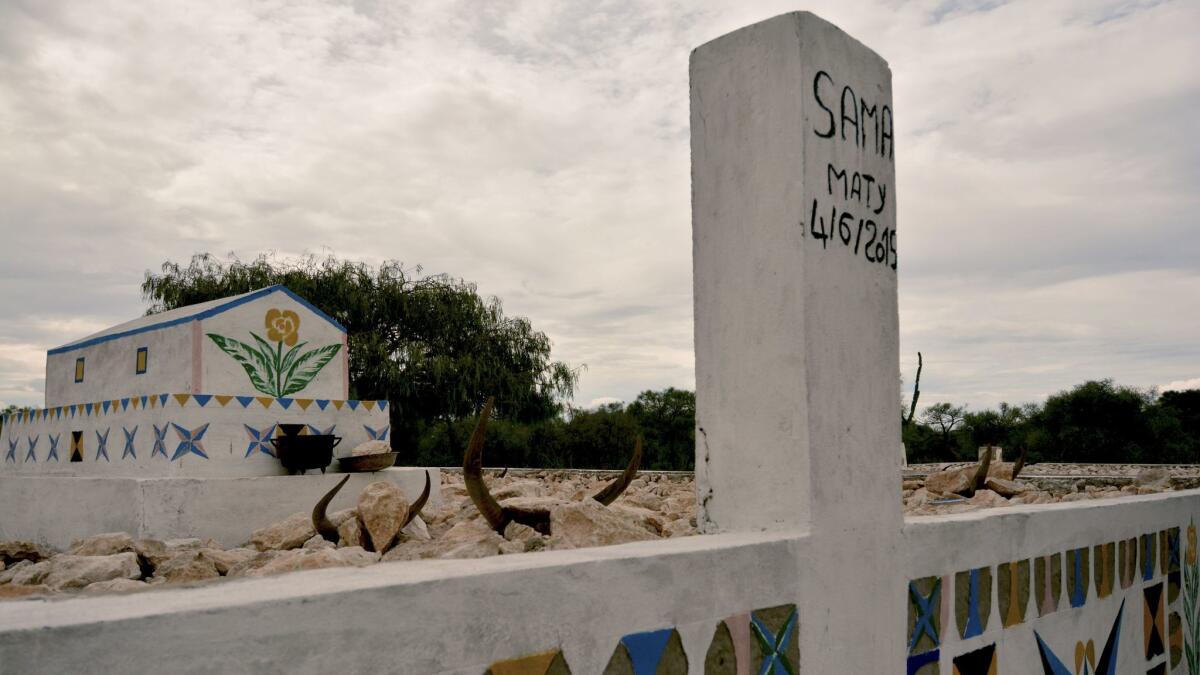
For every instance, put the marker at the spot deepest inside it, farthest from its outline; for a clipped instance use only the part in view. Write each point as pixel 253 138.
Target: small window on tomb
pixel 76 446
pixel 143 356
pixel 79 369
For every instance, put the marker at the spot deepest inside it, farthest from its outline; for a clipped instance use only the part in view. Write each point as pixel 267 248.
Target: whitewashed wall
pixel 182 358
pixel 222 373
pixel 109 367
pixel 231 433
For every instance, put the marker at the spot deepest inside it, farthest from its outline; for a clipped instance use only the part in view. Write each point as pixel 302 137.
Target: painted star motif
pixel 259 440
pixel 774 646
pixel 53 447
pixel 31 453
pixel 380 434
pixel 102 445
pixel 160 440
pixel 317 432
pixel 129 450
pixel 189 441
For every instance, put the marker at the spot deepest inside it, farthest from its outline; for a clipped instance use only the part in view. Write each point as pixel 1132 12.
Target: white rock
pixel 286 534
pixel 371 448
pixel 116 586
pixel 588 523
pixel 382 508
pixel 71 571
pixel 318 542
pixel 109 543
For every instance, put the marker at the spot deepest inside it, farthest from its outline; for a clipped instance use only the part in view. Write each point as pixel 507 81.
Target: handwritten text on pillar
pixel 850 200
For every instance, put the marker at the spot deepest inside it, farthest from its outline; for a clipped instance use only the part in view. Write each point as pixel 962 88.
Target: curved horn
pixel 473 473
pixel 320 521
pixel 614 489
pixel 415 509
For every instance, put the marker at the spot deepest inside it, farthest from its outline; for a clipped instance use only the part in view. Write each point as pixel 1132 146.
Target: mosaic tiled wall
pixel 144 434
pixel 1066 613
pixel 764 641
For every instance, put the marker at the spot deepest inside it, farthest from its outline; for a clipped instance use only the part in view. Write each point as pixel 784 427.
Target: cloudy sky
pixel 1048 157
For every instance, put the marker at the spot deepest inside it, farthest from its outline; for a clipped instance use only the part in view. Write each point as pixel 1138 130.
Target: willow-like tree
pixel 431 345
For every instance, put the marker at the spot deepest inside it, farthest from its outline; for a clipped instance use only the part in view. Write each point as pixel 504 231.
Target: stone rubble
pixel 655 506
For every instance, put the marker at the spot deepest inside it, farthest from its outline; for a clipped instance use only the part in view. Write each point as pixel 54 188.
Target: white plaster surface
pixel 57 511
pixel 945 545
pixel 172 350
pixel 433 616
pixel 797 364
pixel 229 445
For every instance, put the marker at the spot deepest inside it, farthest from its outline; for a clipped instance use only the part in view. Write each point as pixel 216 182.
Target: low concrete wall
pixel 675 598
pixel 56 511
pixel 1013 584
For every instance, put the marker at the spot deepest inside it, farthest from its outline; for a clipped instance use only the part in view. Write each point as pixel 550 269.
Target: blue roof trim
pixel 219 309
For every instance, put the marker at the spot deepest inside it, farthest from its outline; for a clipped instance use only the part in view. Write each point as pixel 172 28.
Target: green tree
pixel 945 418
pixel 1098 421
pixel 667 420
pixel 431 345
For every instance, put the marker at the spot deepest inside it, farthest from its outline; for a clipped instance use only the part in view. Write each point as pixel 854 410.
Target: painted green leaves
pixel 271 370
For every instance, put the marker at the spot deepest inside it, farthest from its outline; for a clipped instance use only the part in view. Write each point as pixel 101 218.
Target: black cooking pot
pixel 301 453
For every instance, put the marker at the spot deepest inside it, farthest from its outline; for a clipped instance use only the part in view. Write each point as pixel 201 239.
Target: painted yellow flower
pixel 283 325
pixel 1191 549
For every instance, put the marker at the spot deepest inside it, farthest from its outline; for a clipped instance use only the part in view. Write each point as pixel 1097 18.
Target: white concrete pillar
pixel 797 359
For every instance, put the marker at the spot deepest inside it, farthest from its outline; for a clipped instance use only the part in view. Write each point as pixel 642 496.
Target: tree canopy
pixel 430 345
pixel 1096 421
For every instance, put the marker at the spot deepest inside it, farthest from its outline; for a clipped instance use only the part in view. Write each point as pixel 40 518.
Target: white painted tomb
pixel 808 566
pixel 198 393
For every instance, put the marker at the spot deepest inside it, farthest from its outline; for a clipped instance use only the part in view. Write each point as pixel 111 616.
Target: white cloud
pixel 1181 385
pixel 1045 177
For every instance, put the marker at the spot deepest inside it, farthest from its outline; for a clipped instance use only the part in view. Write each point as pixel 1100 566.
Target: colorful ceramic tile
pixel 1154 633
pixel 1105 571
pixel 1168 550
pixel 658 652
pixel 545 663
pixel 775 641
pixel 1148 551
pixel 972 601
pixel 1078 569
pixel 982 661
pixel 1127 561
pixel 1047 574
pixel 729 651
pixel 924 614
pixel 1175 639
pixel 1012 585
pixel 1085 654
pixel 923 664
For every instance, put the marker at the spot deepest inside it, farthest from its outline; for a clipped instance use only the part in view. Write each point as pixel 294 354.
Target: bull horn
pixel 614 489
pixel 473 473
pixel 415 509
pixel 321 521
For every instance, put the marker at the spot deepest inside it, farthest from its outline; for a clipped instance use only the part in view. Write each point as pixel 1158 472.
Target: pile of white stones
pixel 947 490
pixel 653 507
